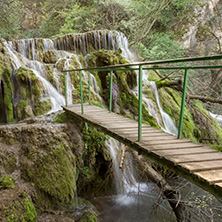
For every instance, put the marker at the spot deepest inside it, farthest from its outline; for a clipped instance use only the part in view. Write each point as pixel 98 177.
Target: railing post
pixel 81 93
pixel 183 103
pixel 140 102
pixel 111 91
pixel 65 86
pixel 89 85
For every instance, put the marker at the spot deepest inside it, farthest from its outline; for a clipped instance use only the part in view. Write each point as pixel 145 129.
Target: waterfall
pixel 169 125
pixel 125 179
pixel 68 83
pixel 83 43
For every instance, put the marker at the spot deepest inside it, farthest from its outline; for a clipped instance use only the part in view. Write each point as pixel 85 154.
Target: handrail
pixel 140 67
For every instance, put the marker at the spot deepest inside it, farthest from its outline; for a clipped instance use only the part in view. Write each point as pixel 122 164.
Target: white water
pixel 125 181
pixel 217 117
pixel 68 83
pixel 169 125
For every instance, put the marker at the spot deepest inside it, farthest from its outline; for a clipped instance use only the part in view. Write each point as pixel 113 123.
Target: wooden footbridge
pixel 195 162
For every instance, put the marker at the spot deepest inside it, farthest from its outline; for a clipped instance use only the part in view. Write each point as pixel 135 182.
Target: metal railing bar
pixel 183 103
pixel 140 85
pixel 147 68
pixel 192 59
pixel 111 91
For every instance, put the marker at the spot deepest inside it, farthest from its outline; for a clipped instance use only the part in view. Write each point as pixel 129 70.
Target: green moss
pixel 42 107
pixel 6 182
pixel 50 57
pixel 19 209
pixel 54 174
pixel 88 217
pixel 30 214
pixel 30 86
pixel 62 118
pixel 21 109
pixel 8 95
pixel 8 160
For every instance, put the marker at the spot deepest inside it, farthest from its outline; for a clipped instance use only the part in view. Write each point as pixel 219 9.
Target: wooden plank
pixel 211 176
pixel 115 120
pixel 153 138
pixel 175 146
pixel 122 126
pixel 162 142
pixel 202 166
pixel 196 158
pixel 146 134
pixel 128 131
pixel 186 151
pixel 218 186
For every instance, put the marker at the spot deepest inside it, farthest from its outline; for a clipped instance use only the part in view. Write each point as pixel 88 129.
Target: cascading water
pixel 68 83
pixel 169 125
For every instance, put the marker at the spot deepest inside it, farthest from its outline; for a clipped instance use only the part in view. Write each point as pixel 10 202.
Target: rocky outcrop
pixel 42 165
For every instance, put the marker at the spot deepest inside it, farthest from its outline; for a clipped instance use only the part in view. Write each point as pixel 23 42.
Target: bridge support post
pixel 89 85
pixel 65 86
pixel 183 103
pixel 140 84
pixel 81 93
pixel 111 91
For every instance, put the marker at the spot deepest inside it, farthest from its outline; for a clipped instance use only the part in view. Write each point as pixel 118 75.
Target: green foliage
pixel 217 147
pixel 10 18
pixel 94 140
pixel 162 47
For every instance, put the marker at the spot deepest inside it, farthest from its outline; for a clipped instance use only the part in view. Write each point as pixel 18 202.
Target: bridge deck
pixel 196 162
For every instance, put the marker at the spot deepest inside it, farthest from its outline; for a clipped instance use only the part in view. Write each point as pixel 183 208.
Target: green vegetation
pixel 42 107
pixel 20 208
pixel 153 34
pixel 7 182
pixel 30 214
pixel 8 95
pixel 53 174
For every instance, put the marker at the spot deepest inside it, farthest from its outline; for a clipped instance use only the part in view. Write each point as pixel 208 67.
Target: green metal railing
pixel 140 67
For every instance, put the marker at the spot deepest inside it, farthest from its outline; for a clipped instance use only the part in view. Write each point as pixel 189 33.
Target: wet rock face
pixel 41 155
pixel 41 165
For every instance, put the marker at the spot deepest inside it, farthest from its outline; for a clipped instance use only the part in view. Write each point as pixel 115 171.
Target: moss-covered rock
pixel 23 110
pixel 88 217
pixel 8 96
pixel 8 160
pixel 43 106
pixel 17 207
pixel 54 173
pixel 29 84
pixel 50 56
pixel 7 182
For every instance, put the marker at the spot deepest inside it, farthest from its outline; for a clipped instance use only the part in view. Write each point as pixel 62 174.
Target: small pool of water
pixel 140 206
pixel 148 205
